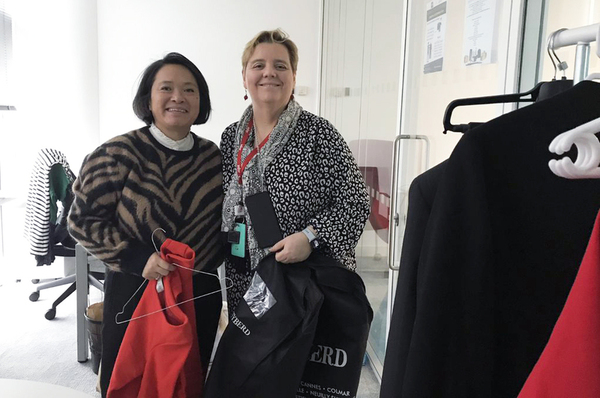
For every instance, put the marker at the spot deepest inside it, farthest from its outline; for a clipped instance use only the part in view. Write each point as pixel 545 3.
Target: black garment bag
pixel 265 356
pixel 334 366
pixel 310 339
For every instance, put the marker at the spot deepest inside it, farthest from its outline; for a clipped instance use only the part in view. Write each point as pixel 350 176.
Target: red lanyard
pixel 242 166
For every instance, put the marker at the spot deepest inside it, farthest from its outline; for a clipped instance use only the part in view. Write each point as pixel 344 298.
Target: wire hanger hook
pixel 558 65
pixel 152 237
pixel 159 282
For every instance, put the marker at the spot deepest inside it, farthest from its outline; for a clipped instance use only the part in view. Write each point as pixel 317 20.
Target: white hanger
pixel 588 152
pixel 157 289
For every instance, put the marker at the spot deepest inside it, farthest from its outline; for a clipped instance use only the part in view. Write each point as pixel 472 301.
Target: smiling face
pixel 268 75
pixel 174 100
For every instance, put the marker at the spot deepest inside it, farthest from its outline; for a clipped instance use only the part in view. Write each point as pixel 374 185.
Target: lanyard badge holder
pixel 237 237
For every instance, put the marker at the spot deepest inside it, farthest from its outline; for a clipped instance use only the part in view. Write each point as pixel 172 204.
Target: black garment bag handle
pixel 541 91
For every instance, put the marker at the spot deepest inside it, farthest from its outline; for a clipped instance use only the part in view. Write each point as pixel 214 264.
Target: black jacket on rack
pixel 421 196
pixel 501 249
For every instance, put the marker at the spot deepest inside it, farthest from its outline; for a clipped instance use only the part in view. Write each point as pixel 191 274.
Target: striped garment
pixel 132 186
pixel 37 210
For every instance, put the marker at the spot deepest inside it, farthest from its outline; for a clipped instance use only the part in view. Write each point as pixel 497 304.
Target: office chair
pixel 45 220
pixel 61 246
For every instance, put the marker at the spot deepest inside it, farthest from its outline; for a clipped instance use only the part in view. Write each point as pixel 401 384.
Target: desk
pixel 84 263
pixel 10 388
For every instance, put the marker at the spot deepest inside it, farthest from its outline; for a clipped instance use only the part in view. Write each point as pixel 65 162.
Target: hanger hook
pixel 550 51
pixel 560 65
pixel 152 237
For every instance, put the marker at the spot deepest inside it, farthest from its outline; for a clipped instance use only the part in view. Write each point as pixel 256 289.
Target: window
pixel 5 58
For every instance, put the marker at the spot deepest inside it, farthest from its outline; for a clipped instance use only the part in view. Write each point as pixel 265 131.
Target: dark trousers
pixel 119 287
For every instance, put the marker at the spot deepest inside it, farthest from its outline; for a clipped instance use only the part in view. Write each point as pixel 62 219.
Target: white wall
pixel 77 64
pixel 133 33
pixel 55 85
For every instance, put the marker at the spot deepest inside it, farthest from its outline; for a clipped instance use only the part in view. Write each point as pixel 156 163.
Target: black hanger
pixel 541 91
pixel 551 88
pixel 529 96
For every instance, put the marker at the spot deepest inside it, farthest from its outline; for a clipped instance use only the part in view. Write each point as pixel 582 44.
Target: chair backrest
pixel 374 159
pixel 50 182
pixel 380 202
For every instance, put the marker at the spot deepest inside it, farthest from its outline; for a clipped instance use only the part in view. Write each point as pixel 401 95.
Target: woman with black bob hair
pixel 142 97
pixel 137 189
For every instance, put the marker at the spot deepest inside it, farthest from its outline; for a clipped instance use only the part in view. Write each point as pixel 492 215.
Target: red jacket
pixel 570 364
pixel 159 356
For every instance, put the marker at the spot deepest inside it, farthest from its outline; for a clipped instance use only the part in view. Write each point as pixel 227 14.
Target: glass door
pixel 389 70
pixel 362 46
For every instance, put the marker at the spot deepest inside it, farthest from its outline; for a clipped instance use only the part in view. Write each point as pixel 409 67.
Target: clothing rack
pixel 583 137
pixel 581 37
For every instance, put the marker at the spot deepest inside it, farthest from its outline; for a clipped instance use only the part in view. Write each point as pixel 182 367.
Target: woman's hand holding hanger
pixel 156 267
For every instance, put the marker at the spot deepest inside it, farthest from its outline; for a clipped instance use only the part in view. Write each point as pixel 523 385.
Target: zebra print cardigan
pixel 131 186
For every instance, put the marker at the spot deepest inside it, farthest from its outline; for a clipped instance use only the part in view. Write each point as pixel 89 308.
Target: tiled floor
pixel 369 384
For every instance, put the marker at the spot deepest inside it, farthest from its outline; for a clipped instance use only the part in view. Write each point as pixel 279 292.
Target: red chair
pixel 379 218
pixel 374 158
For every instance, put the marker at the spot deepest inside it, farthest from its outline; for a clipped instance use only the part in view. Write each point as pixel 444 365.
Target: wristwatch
pixel 312 238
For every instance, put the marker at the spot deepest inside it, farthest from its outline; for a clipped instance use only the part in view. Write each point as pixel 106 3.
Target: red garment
pixel 159 356
pixel 570 363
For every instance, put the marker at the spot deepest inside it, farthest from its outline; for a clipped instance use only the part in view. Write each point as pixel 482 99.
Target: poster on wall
pixel 435 36
pixel 479 31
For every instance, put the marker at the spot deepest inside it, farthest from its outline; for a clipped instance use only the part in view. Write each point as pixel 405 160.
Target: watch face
pixel 314 244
